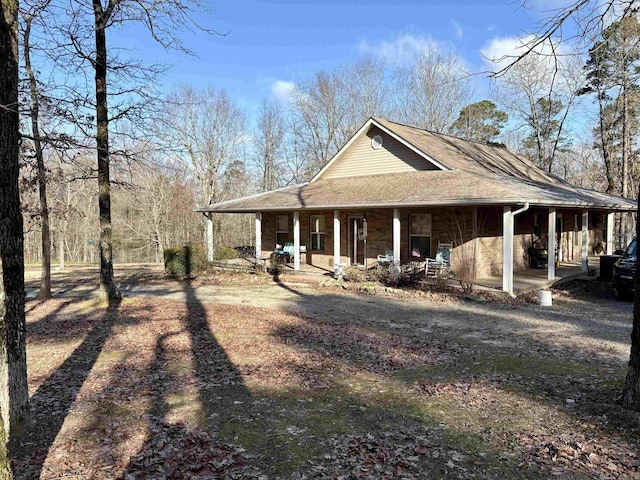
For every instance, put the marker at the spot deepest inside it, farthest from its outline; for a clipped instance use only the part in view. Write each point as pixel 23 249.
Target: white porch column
pixel 585 240
pixel 507 250
pixel 396 237
pixel 610 226
pixel 631 229
pixel 296 240
pixel 258 236
pixel 336 239
pixel 551 245
pixel 210 237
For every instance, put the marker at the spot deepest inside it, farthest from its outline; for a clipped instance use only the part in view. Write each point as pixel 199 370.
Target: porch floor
pixel 536 278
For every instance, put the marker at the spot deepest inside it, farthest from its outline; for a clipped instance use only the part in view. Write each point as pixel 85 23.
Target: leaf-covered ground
pixel 186 383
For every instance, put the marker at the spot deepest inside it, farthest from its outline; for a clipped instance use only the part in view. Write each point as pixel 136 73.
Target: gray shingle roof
pixel 479 174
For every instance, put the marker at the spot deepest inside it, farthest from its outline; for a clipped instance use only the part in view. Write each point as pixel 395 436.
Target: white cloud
pixel 501 51
pixel 458 32
pixel 282 90
pixel 400 50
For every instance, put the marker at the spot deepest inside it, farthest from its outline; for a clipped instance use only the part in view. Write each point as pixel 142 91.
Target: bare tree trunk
pixel 631 389
pixel 62 231
pixel 14 394
pixel 45 277
pixel 108 288
pixel 606 149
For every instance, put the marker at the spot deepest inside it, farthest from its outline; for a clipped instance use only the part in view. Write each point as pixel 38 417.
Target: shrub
pixel 408 275
pixel 225 253
pixel 354 274
pixel 185 260
pixel 378 274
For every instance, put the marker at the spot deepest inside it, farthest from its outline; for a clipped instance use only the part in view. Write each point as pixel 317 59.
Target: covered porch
pixel 325 241
pixel 538 279
pixel 524 281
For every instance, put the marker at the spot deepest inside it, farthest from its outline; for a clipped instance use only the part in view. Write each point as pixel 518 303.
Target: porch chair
pixel 284 254
pixel 439 266
pixel 386 259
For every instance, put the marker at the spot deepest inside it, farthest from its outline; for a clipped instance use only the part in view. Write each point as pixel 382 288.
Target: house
pixel 395 187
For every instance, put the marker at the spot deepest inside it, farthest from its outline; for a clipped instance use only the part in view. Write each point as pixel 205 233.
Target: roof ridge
pixel 413 127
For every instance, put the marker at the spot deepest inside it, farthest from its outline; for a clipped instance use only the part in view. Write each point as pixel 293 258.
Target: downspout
pixel 521 210
pixel 513 214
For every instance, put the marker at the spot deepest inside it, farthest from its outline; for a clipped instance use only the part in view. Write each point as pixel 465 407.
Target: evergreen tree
pixel 612 71
pixel 480 121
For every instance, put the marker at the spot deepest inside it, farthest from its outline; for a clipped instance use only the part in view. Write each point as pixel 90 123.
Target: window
pixel 420 235
pixel 282 229
pixel 536 224
pixel 577 237
pixel 317 233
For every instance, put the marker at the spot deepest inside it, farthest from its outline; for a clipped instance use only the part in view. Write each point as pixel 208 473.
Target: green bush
pixel 185 260
pixel 225 253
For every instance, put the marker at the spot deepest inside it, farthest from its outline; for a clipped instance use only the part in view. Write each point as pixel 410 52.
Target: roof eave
pixel 425 203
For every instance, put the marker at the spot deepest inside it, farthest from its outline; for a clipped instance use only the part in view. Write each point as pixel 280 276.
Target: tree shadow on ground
pixel 173 450
pixel 321 430
pixel 52 401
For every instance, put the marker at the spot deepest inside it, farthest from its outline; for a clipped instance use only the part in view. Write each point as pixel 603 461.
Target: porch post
pixel 258 236
pixel 507 250
pixel 296 240
pixel 209 237
pixel 585 240
pixel 631 229
pixel 336 240
pixel 610 227
pixel 551 245
pixel 396 237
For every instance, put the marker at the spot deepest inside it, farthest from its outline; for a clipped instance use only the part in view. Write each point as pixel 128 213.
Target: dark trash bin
pixel 606 266
pixel 538 257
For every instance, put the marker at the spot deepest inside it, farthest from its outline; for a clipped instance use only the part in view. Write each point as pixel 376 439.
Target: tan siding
pixel 361 159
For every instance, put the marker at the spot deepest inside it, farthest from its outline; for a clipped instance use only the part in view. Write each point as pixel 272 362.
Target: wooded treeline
pixel 575 116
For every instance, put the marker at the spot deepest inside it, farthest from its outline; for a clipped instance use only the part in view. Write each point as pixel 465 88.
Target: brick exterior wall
pixel 447 225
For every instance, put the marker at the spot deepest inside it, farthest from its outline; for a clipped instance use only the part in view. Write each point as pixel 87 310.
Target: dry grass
pixel 159 388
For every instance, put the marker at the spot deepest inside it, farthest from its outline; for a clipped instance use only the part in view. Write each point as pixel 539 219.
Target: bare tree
pixel 431 92
pixel 269 145
pixel 317 119
pixel 329 107
pixel 34 113
pixel 541 94
pixel 208 133
pixel 81 45
pixel 589 16
pixel 14 394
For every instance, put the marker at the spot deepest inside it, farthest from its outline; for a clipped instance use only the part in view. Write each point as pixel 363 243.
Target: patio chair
pixel 439 266
pixel 386 259
pixel 284 254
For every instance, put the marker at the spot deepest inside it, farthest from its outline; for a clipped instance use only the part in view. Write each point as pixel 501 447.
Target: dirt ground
pixel 240 376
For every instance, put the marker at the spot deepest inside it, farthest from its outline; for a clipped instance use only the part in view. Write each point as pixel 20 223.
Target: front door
pixel 357 240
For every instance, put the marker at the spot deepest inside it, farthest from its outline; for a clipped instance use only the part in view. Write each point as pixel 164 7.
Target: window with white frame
pixel 317 233
pixel 420 235
pixel 282 229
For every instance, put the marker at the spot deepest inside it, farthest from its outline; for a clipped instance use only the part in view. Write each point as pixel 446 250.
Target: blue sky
pixel 270 43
